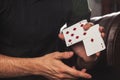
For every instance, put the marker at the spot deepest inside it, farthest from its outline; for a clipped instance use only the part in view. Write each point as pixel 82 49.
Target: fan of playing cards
pixel 93 42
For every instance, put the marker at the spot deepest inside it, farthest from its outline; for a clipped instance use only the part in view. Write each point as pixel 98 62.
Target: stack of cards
pixel 93 42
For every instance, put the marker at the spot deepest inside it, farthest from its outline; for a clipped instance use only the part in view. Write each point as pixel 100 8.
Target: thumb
pixel 64 55
pixel 61 36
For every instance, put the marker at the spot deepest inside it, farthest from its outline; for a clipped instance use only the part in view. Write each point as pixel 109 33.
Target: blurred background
pixel 102 7
pixel 107 14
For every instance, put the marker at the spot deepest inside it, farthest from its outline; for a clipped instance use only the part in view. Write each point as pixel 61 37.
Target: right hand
pixel 79 48
pixel 53 68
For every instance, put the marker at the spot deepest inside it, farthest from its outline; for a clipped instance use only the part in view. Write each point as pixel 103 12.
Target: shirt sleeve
pixel 79 11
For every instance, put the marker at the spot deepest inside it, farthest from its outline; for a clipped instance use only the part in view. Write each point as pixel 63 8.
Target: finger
pixel 84 70
pixel 80 74
pixel 87 26
pixel 63 55
pixel 77 73
pixel 101 29
pixel 97 54
pixel 73 67
pixel 65 76
pixel 103 34
pixel 61 36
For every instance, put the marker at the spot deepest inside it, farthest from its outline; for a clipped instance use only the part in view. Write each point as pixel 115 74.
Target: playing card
pixel 63 27
pixel 94 44
pixel 94 30
pixel 74 33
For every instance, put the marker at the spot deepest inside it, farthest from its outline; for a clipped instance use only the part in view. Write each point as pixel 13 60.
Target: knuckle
pixel 77 74
pixel 61 76
pixel 81 74
pixel 55 54
pixel 61 70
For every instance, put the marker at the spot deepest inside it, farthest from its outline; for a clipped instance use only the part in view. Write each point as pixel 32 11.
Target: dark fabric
pixel 29 28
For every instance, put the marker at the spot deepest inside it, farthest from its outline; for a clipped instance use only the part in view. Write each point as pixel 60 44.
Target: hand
pixel 54 69
pixel 79 47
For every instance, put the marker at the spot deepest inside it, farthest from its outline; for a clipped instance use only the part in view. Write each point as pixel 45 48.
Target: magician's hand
pixel 79 47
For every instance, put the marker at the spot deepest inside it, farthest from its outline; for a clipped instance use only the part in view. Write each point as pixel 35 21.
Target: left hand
pixel 79 47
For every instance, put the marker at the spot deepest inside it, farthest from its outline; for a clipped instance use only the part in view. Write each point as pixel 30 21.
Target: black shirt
pixel 29 28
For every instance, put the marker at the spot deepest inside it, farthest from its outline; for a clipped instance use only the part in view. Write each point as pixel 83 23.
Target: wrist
pixel 36 66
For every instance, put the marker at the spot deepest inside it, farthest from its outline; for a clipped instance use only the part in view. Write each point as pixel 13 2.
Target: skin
pixel 49 66
pixel 79 48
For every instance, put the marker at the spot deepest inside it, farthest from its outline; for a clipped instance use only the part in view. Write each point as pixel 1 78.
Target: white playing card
pixel 74 33
pixel 94 44
pixel 94 30
pixel 63 27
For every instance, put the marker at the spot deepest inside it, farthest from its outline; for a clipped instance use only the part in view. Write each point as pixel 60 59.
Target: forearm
pixel 13 67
